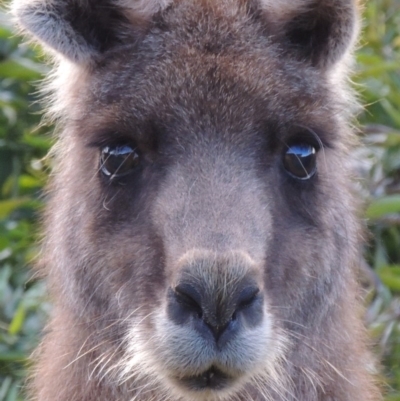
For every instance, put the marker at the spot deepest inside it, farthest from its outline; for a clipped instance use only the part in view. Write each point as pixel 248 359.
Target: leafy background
pixel 24 171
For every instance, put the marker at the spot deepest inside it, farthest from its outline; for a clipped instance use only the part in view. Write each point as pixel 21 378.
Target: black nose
pixel 221 312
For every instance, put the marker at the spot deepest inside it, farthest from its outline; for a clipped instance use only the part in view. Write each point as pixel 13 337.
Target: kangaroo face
pixel 201 225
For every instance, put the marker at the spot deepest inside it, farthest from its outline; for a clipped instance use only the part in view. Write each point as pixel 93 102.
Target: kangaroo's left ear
pixel 318 31
pixel 81 30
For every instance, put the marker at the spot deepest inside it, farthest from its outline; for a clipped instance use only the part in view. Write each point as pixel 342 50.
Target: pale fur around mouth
pixel 181 364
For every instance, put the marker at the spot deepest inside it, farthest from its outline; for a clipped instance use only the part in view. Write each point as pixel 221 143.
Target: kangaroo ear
pixel 80 30
pixel 320 31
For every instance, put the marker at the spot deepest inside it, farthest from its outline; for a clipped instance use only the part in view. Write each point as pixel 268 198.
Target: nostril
pixel 189 298
pixel 210 313
pixel 246 298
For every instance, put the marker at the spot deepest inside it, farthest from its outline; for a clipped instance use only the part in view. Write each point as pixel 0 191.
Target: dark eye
pixel 117 161
pixel 300 160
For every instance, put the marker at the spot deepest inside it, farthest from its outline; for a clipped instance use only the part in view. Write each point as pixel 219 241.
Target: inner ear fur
pixel 319 31
pixel 80 30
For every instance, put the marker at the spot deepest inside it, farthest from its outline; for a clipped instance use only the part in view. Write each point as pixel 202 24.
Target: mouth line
pixel 211 379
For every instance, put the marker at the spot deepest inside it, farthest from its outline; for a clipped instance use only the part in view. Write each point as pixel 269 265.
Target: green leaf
pixel 12 357
pixel 383 206
pixel 27 181
pixel 17 320
pixel 38 142
pixel 20 68
pixel 393 112
pixel 13 393
pixel 8 206
pixel 390 276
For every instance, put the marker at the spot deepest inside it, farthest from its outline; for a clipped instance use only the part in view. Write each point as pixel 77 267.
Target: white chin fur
pixel 174 352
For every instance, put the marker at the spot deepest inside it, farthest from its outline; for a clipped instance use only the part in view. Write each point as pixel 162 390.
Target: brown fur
pixel 211 93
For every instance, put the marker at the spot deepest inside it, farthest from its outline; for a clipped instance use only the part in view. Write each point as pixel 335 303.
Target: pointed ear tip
pixel 33 20
pixel 21 13
pixel 321 31
pixel 14 10
pixel 18 8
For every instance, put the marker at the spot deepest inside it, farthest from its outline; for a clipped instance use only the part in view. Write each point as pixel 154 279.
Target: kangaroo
pixel 202 234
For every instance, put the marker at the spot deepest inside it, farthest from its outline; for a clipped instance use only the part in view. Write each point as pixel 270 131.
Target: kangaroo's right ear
pixel 317 31
pixel 80 30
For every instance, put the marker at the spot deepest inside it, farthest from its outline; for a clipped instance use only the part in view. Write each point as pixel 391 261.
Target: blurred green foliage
pixel 22 176
pixel 378 76
pixel 23 173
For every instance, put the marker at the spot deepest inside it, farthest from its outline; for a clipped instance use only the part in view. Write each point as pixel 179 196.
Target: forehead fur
pixel 221 60
pixel 144 7
pixel 181 47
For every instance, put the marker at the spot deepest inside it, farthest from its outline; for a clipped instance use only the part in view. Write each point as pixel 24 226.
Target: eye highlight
pixel 300 160
pixel 117 161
